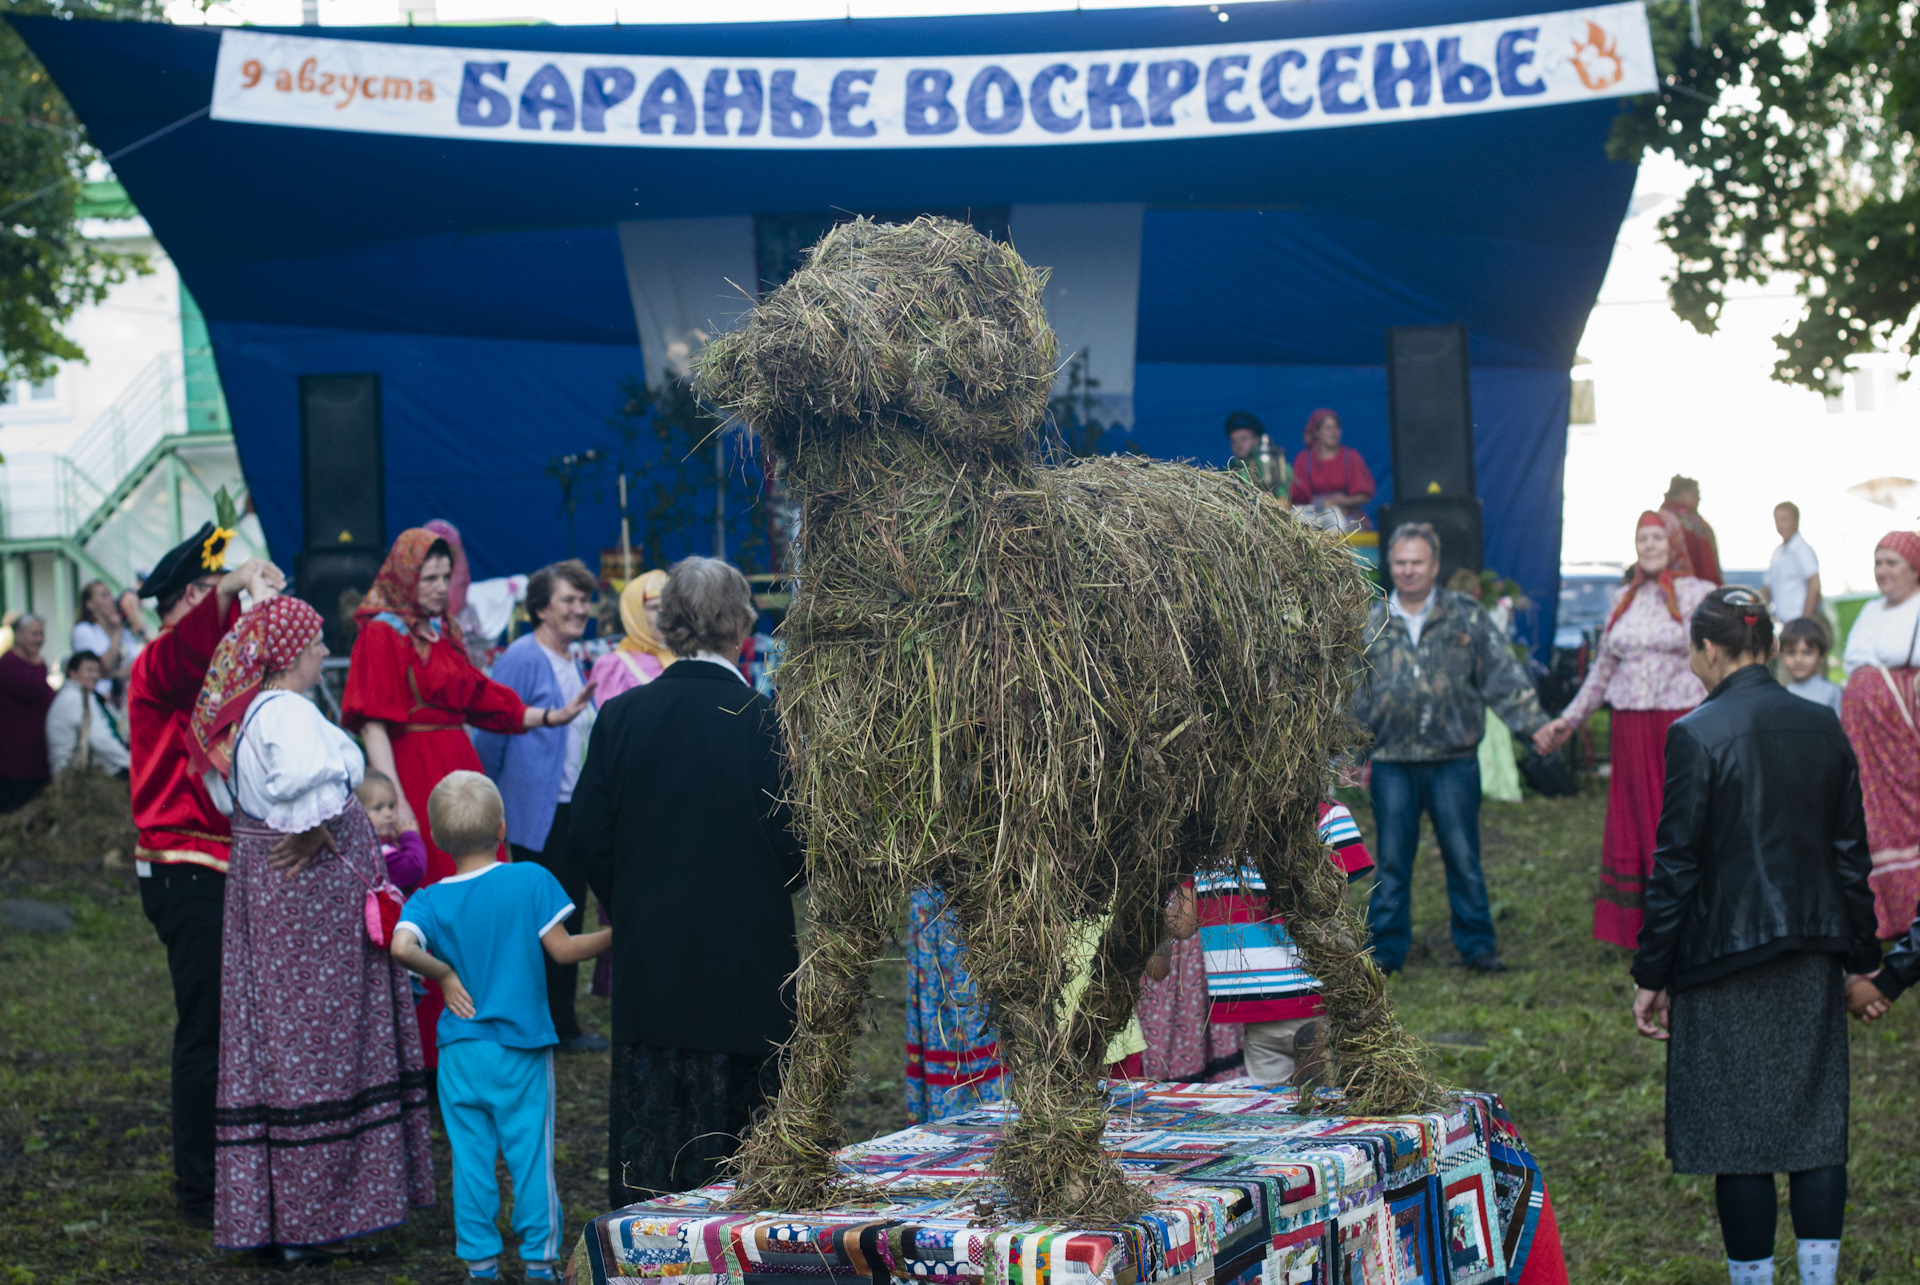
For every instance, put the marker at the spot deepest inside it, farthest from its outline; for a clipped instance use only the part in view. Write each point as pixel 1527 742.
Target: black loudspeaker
pixel 1454 518
pixel 333 581
pixel 1430 411
pixel 343 489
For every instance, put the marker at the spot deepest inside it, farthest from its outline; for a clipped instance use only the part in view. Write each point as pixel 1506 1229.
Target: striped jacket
pixel 1254 971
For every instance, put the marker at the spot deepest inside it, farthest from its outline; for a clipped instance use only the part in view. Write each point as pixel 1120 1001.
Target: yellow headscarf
pixel 633 616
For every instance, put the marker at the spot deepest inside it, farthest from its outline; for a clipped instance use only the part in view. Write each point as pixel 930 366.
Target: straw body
pixel 1055 691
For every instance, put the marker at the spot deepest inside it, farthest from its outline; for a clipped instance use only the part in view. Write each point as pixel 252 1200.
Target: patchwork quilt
pixel 1247 1191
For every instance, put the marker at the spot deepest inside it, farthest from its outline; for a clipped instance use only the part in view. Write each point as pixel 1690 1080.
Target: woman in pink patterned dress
pixel 641 656
pixel 1882 659
pixel 1640 670
pixel 320 1118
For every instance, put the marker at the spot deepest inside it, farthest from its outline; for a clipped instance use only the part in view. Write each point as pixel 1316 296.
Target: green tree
pixel 1798 117
pixel 47 269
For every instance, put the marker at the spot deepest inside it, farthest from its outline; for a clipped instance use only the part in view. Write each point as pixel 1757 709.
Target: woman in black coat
pixel 1757 912
pixel 680 824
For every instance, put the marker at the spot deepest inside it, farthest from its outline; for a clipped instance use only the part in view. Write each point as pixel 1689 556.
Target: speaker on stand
pixel 1430 415
pixel 343 498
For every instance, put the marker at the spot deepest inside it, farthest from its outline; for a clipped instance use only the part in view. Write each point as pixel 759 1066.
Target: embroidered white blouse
pixel 292 768
pixel 1884 635
pixel 1641 662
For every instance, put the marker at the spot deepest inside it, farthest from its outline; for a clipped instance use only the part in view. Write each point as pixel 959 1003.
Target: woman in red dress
pixel 412 691
pixel 1331 475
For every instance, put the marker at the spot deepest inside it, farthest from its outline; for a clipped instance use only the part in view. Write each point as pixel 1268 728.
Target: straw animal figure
pixel 1053 691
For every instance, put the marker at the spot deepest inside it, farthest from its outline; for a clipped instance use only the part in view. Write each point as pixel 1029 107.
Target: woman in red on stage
pixel 412 691
pixel 1331 475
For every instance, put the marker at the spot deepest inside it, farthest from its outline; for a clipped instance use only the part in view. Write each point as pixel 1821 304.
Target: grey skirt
pixel 1757 1070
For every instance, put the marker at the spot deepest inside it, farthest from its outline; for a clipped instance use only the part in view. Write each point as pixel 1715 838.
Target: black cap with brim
pixel 182 565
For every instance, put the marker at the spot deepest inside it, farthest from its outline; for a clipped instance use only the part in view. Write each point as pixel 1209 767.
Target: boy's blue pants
pixel 499 1100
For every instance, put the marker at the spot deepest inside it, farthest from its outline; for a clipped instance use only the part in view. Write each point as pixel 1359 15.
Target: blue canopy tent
pixel 1238 244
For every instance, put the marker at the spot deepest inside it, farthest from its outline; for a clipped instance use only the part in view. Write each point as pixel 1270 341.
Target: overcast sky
pixel 1669 400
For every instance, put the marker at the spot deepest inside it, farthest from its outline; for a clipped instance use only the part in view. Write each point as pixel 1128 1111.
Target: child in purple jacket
pixel 404 850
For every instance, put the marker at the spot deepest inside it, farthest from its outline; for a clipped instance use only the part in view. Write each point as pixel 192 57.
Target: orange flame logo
pixel 1597 58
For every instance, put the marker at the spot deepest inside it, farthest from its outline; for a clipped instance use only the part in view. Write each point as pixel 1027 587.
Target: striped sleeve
pixel 1339 831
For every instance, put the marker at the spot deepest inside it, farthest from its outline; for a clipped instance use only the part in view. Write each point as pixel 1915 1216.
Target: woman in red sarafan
pixel 1329 474
pixel 412 691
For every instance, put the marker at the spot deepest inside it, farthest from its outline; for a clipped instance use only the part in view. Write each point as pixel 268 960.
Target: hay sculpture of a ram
pixel 1053 690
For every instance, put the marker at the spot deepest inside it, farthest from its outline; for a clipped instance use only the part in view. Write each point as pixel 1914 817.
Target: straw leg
pixel 786 1160
pixel 1050 1158
pixel 1379 1067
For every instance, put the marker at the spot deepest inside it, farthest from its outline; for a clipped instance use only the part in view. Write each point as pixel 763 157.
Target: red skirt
pixel 1889 752
pixel 423 759
pixel 1634 794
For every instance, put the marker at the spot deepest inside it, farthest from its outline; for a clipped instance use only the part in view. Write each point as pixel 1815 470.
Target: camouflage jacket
pixel 1428 703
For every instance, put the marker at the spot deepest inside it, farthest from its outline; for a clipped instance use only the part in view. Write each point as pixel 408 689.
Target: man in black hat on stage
pixel 182 852
pixel 1254 457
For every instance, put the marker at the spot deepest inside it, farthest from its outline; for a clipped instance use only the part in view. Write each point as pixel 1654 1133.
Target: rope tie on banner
pixel 162 132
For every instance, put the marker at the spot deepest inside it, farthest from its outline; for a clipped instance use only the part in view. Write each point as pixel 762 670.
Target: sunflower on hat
pixel 226 521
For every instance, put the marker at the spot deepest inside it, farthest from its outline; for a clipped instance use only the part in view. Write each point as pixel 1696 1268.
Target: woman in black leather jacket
pixel 1757 913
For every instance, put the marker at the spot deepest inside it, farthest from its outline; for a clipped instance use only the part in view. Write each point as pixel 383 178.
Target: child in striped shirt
pixel 1254 971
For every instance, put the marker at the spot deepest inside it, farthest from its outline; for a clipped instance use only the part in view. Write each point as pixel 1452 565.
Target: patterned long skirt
pixel 1889 755
pixel 1635 792
pixel 320 1122
pixel 1182 1044
pixel 676 1114
pixel 953 1053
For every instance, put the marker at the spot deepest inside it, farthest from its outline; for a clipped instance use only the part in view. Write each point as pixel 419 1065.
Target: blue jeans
pixel 1449 792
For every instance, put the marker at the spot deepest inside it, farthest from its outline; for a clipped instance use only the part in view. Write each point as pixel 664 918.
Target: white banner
pixel 1107 96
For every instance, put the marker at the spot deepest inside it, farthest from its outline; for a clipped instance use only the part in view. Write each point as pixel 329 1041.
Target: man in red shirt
pixel 182 852
pixel 1703 546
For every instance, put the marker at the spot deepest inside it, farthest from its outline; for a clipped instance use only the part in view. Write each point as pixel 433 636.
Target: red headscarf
pixel 1314 421
pixel 1904 543
pixel 266 640
pixel 1679 563
pixel 396 590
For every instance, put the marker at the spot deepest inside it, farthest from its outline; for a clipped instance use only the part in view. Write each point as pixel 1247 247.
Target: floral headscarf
pixel 1679 563
pixel 396 591
pixel 640 635
pixel 462 573
pixel 1904 543
pixel 265 641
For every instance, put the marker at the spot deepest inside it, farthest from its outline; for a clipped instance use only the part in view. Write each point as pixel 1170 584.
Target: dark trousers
pixel 563 980
pixel 16 792
pixel 1449 792
pixel 185 904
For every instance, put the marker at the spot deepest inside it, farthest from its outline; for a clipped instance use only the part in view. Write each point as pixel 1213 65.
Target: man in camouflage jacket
pixel 1435 664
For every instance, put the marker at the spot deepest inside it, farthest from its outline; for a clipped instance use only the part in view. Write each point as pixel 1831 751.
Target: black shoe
pixel 1487 962
pixel 327 1255
pixel 585 1042
pixel 197 1214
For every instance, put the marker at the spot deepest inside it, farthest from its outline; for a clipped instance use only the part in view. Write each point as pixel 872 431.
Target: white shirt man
pixel 78 722
pixel 1793 573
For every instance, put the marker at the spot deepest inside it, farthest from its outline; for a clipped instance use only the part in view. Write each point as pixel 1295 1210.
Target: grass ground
pixel 85 1020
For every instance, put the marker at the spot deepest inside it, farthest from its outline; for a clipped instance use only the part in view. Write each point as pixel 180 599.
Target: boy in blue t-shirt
pixel 480 933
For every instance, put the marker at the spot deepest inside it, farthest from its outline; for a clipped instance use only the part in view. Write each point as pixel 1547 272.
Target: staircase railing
pixel 52 494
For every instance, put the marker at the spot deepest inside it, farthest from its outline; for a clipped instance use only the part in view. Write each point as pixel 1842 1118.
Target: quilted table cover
pixel 1246 1192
